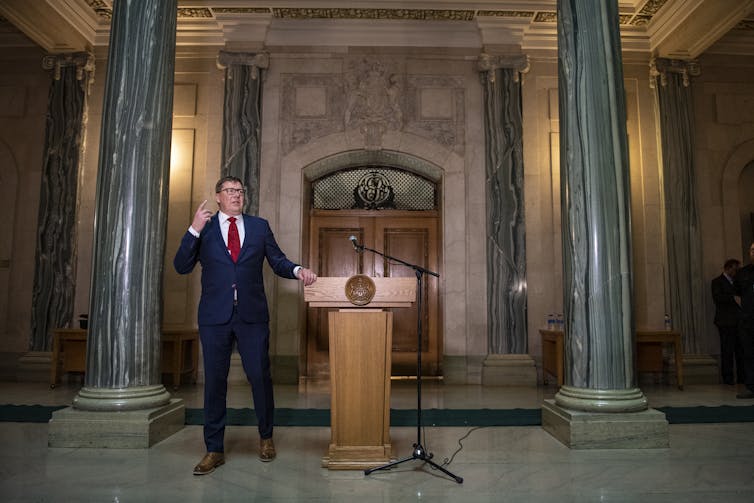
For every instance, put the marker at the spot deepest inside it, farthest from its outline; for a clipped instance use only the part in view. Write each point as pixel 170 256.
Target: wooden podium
pixel 360 348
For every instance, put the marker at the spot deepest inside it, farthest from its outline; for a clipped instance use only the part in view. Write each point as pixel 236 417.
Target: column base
pixel 509 370
pixel 647 429
pixel 700 369
pixel 34 366
pixel 134 429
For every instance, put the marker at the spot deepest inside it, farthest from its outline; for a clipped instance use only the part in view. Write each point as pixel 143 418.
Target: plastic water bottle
pixel 668 322
pixel 559 322
pixel 550 321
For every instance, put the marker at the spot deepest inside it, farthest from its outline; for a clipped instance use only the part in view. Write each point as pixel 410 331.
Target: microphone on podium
pixel 354 242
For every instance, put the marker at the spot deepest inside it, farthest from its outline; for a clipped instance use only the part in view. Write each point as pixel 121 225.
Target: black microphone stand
pixel 419 451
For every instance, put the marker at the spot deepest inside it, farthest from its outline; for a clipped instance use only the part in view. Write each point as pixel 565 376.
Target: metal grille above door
pixel 374 188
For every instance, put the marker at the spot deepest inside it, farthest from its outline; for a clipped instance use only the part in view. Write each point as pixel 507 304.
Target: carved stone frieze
pixel 546 17
pixel 448 130
pixel 241 10
pixel 641 17
pixel 101 8
pixel 651 7
pixel 366 13
pixel 299 128
pixel 374 91
pixel 373 96
pixel 505 13
pixel 194 12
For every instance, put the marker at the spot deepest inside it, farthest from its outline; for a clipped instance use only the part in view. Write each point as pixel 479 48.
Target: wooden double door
pixel 407 235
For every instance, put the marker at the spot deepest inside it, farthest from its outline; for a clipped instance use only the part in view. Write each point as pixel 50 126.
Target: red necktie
pixel 234 242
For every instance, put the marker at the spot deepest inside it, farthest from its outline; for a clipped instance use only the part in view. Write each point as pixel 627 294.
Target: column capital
pixel 83 61
pixel 488 63
pixel 259 60
pixel 660 67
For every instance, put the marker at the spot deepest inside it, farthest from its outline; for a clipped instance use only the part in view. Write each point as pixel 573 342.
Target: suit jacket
pixel 727 311
pixel 220 276
pixel 745 288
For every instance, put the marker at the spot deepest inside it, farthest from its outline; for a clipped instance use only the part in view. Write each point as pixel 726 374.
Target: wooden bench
pixel 180 353
pixel 649 345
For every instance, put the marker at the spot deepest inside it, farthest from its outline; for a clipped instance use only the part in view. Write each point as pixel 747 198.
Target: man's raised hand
pixel 201 217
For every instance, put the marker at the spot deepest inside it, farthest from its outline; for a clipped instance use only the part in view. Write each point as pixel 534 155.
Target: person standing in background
pixel 744 283
pixel 727 314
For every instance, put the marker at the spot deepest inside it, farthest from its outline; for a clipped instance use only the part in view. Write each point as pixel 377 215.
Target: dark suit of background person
pixel 727 313
pixel 744 283
pixel 233 306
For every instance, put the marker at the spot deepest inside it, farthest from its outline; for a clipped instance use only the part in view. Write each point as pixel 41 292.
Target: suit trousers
pixel 252 341
pixel 731 355
pixel 746 339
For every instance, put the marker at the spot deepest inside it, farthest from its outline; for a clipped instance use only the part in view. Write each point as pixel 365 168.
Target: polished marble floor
pixel 705 462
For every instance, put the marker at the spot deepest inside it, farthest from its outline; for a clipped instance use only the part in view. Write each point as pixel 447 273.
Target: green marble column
pixel 687 287
pixel 123 348
pixel 506 232
pixel 242 119
pixel 596 223
pixel 55 271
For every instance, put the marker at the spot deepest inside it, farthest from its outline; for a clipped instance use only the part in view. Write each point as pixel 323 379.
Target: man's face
pixel 230 198
pixel 731 271
pixel 751 253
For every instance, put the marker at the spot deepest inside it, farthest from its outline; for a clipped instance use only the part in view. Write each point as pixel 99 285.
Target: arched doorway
pixel 390 209
pixel 738 205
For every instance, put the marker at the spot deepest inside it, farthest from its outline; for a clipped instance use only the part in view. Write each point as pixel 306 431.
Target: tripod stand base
pixel 420 454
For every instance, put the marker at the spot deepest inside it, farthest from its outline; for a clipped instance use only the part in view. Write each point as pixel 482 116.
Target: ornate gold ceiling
pixel 681 29
pixel 641 17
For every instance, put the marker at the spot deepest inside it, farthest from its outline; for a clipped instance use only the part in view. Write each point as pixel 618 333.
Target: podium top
pixel 389 292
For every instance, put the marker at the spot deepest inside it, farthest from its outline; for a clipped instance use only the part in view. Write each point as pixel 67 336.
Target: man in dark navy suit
pixel 727 313
pixel 231 247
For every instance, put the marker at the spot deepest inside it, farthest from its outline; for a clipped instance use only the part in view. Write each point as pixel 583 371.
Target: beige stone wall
pixel 24 87
pixel 724 115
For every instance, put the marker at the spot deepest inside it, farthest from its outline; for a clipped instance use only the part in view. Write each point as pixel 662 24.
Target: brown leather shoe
pixel 266 450
pixel 209 462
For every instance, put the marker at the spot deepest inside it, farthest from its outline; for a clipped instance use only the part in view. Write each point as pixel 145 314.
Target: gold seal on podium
pixel 360 289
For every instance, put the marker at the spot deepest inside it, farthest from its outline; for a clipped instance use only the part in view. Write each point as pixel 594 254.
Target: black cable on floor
pixel 447 461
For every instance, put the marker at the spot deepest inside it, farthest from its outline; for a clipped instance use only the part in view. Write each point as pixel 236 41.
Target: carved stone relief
pixel 373 94
pixel 446 126
pixel 299 123
pixel 371 97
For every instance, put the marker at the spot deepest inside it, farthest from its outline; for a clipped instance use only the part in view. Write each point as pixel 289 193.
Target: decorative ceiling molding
pixel 673 28
pixel 684 29
pixel 103 8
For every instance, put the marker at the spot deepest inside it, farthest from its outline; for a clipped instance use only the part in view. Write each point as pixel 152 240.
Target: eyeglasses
pixel 232 191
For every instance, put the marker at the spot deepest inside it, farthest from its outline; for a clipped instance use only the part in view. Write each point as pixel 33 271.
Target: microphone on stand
pixel 354 243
